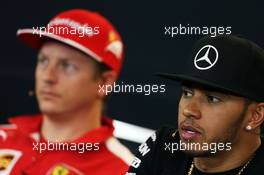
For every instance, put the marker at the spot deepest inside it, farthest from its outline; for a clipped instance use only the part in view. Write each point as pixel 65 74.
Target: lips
pixel 49 94
pixel 188 132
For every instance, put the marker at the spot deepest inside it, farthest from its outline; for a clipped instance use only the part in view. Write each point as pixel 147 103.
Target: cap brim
pixel 34 38
pixel 195 80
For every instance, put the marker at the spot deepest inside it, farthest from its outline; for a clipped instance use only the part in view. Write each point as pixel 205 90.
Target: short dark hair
pixel 100 68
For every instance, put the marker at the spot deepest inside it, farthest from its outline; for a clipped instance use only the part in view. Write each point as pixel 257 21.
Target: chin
pixel 49 112
pixel 193 141
pixel 194 153
pixel 49 109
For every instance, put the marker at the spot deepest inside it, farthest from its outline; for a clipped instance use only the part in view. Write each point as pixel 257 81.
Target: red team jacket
pixel 95 153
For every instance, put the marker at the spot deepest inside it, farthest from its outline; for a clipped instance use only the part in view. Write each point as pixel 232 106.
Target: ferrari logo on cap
pixel 112 36
pixel 115 46
pixel 206 57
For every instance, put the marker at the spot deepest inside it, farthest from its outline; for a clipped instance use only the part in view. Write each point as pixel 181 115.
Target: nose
pixel 192 109
pixel 50 75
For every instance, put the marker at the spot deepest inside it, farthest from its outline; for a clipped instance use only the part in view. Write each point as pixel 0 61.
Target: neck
pixel 239 155
pixel 71 125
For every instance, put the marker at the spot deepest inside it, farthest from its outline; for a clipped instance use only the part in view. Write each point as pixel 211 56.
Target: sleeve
pixel 144 161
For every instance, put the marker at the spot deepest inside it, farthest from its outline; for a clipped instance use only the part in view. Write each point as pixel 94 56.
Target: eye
pixel 42 61
pixel 187 93
pixel 213 99
pixel 68 67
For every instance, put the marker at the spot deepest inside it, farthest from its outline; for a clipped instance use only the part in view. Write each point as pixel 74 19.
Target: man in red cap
pixel 79 51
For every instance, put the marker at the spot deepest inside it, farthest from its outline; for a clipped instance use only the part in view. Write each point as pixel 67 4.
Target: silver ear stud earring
pixel 248 127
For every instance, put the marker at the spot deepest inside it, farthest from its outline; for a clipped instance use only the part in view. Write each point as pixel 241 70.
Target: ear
pixel 106 83
pixel 257 117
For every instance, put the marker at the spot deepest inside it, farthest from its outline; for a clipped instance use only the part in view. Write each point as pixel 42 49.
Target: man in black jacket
pixel 221 111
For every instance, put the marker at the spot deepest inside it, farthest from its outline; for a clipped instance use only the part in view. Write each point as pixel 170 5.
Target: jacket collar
pixel 30 125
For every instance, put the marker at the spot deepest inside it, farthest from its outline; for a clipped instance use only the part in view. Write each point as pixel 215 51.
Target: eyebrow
pixel 41 54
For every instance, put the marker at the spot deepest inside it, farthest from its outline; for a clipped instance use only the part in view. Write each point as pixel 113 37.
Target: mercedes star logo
pixel 206 59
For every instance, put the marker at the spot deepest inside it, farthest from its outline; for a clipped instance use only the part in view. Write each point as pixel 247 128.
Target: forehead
pixel 57 50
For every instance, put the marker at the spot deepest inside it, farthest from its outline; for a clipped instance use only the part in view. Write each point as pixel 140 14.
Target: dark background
pixel 148 50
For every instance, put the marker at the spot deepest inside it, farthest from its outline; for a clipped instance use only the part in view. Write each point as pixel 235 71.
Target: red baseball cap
pixel 84 30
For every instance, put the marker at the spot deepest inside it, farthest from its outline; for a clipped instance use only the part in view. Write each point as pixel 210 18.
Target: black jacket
pixel 156 157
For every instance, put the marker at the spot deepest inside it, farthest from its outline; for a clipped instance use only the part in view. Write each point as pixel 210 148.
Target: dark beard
pixel 229 136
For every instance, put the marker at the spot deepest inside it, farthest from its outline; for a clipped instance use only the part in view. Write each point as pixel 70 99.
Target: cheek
pixel 214 117
pixel 37 78
pixel 81 85
pixel 218 121
pixel 38 72
pixel 180 111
